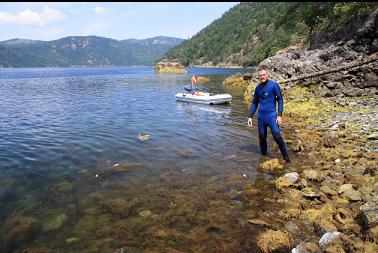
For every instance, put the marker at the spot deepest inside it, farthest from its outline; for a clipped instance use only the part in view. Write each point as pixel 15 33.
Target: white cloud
pixel 7 18
pixel 29 17
pixel 98 9
pixel 51 15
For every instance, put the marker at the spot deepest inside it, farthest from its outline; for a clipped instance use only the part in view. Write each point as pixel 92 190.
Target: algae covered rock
pixel 166 66
pixel 54 222
pixel 236 80
pixel 275 241
pixel 271 165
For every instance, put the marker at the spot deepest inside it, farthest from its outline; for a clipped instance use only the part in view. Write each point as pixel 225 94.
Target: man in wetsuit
pixel 266 94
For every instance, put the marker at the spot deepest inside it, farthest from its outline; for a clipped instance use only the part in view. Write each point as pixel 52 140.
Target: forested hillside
pixel 250 32
pixel 84 51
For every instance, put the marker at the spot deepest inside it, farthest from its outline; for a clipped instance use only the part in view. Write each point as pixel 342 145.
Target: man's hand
pixel 279 121
pixel 249 122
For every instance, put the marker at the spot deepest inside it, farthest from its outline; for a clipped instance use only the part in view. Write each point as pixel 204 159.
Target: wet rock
pixel 329 238
pixel 307 247
pixel 72 240
pixel 292 177
pixel 128 249
pixel 54 222
pixel 275 241
pixel 63 187
pixel 325 189
pixel 258 222
pixel 345 187
pixel 370 170
pixel 309 193
pixel 124 166
pixel 282 182
pixel 330 139
pixel 369 213
pixel 293 228
pixel 372 235
pixel 367 193
pixel 373 136
pixel 289 213
pixel 295 146
pixel 271 165
pixel 352 195
pixel 37 250
pixel 311 175
pixel 343 215
pixel 145 213
pixel 310 215
pixel 324 225
pixel 239 199
pixel 348 191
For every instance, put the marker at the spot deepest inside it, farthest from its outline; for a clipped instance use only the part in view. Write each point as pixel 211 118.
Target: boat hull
pixel 204 98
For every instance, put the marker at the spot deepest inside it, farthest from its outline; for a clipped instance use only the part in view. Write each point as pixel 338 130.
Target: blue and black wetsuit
pixel 265 97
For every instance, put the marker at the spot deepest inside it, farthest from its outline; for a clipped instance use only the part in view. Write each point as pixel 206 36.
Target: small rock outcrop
pixel 166 66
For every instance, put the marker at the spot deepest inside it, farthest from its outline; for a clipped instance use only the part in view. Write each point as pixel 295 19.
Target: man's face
pixel 263 75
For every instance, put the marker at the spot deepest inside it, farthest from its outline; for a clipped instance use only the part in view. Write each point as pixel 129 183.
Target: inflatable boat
pixel 204 98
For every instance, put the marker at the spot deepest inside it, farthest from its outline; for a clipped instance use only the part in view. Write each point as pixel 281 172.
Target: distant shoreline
pixel 111 66
pixel 225 67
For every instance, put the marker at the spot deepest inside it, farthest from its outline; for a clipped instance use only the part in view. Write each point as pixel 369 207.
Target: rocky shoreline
pixel 332 184
pixel 329 193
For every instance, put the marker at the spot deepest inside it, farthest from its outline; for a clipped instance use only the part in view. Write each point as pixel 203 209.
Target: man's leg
pixel 262 127
pixel 277 136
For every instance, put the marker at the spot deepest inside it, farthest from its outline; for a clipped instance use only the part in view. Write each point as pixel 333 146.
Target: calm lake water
pixel 75 178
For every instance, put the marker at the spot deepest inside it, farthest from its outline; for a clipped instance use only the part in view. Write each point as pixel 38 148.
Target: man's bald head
pixel 263 75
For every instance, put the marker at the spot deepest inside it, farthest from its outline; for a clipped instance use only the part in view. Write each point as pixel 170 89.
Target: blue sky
pixel 117 20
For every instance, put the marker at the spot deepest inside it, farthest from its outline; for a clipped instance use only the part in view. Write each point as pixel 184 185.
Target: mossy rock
pixel 54 222
pixel 169 67
pixel 63 187
pixel 275 241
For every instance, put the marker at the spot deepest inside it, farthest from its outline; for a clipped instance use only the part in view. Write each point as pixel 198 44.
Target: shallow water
pixel 75 178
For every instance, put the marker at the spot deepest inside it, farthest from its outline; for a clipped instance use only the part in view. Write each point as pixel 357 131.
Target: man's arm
pixel 279 99
pixel 255 103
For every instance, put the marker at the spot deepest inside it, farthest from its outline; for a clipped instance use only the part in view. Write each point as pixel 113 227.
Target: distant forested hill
pixel 84 51
pixel 253 31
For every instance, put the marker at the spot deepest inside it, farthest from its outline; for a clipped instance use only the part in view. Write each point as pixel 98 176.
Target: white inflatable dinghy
pixel 204 98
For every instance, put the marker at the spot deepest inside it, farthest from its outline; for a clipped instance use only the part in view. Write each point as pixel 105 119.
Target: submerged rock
pixel 54 222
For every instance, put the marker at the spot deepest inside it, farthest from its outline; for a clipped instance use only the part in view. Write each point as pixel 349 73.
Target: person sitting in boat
pixel 190 88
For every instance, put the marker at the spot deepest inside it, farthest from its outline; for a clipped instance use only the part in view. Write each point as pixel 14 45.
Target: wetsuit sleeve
pixel 255 103
pixel 279 99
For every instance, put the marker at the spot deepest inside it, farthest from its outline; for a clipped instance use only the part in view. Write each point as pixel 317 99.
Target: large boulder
pixel 169 67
